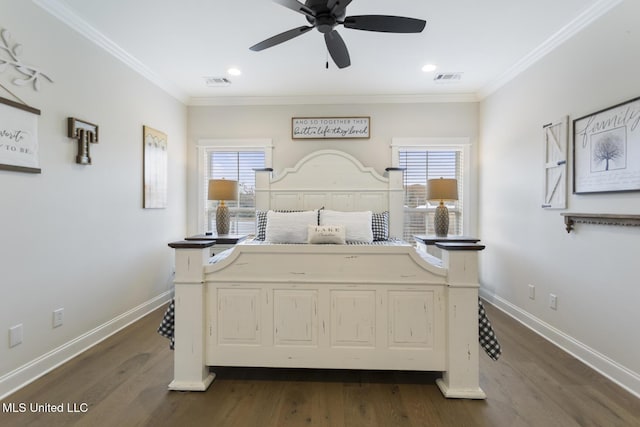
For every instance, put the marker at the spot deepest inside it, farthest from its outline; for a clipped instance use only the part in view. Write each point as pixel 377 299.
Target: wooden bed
pixel 381 306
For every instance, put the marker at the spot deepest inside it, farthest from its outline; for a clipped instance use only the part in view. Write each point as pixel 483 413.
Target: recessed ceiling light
pixel 428 68
pixel 234 71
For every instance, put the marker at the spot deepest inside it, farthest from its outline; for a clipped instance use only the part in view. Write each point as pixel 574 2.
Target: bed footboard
pixel 324 306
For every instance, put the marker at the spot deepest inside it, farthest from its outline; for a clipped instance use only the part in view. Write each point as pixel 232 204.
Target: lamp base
pixel 222 219
pixel 441 221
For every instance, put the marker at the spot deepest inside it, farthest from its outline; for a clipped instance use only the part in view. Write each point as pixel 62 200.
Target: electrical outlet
pixel 58 317
pixel 15 335
pixel 532 292
pixel 553 301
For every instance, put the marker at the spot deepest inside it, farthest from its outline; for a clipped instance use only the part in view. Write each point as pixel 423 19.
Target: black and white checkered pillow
pixel 488 340
pixel 380 226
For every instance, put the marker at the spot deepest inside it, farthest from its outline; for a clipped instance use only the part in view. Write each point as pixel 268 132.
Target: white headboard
pixel 334 180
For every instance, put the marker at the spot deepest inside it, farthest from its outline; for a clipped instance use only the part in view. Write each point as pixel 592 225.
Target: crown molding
pixel 331 99
pixel 75 22
pixel 71 19
pixel 590 15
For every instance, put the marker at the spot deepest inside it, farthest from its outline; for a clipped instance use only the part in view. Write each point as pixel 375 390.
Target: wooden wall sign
pixel 330 127
pixel 18 137
pixel 86 133
pixel 154 168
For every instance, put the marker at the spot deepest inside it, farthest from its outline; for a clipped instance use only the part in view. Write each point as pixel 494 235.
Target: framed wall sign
pixel 18 137
pixel 155 168
pixel 330 127
pixel 606 149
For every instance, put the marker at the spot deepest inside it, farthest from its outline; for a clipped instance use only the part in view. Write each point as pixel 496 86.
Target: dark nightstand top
pixel 432 239
pixel 192 244
pixel 223 239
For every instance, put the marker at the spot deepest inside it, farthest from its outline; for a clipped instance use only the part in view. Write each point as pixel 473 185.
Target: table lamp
pixel 442 189
pixel 222 189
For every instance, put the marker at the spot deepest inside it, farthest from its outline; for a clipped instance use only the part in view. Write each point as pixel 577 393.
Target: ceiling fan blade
pixel 337 6
pixel 296 6
pixel 280 38
pixel 384 23
pixel 337 49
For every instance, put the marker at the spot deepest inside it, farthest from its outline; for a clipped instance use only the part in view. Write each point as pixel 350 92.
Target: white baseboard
pixel 25 374
pixel 617 373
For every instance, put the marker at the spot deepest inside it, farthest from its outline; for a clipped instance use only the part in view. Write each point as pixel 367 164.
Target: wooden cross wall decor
pixel 86 133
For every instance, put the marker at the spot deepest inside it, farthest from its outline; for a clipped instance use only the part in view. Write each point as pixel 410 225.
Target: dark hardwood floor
pixel 123 382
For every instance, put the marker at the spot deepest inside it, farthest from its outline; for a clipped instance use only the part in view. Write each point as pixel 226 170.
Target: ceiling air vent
pixel 217 81
pixel 447 77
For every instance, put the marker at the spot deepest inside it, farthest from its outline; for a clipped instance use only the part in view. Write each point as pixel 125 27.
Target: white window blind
pixel 238 166
pixel 421 165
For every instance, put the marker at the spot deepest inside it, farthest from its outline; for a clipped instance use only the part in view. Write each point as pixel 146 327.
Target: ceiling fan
pixel 325 15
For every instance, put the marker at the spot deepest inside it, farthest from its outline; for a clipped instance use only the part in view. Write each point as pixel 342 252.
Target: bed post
pixel 396 202
pixel 263 185
pixel 190 372
pixel 462 377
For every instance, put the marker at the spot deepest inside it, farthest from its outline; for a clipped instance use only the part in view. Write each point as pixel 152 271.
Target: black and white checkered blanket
pixel 488 340
pixel 166 327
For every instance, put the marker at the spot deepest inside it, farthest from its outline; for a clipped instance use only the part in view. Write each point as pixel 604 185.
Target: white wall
pixel 594 270
pixel 76 236
pixel 387 121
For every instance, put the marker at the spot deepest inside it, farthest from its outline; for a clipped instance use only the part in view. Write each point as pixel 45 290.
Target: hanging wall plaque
pixel 18 137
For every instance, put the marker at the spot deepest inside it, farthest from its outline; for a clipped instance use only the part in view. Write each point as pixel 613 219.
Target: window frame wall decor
pixel 19 137
pixel 609 136
pixel 555 164
pixel 206 209
pixel 154 168
pixel 459 211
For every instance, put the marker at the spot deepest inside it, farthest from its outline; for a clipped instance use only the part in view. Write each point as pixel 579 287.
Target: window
pixel 233 163
pixel 423 162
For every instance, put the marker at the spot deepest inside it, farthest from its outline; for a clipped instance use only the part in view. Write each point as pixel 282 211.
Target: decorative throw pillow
pixel 261 222
pixel 291 227
pixel 380 225
pixel 334 234
pixel 357 224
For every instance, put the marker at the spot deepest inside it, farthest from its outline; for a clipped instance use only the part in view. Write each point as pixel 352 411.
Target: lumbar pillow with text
pixel 357 224
pixel 289 227
pixel 334 234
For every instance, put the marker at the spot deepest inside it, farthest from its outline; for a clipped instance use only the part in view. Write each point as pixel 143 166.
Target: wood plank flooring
pixel 123 382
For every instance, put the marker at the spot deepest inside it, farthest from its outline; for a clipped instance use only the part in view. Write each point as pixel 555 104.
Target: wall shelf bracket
pixel 570 219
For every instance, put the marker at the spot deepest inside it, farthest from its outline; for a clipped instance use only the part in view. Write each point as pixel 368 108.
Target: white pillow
pixel 289 227
pixel 334 234
pixel 357 224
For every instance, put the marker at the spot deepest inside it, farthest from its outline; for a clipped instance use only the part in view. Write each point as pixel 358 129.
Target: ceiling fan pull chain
pixel 327 60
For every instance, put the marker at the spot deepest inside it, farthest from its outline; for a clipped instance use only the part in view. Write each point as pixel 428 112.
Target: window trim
pixel 225 144
pixel 445 144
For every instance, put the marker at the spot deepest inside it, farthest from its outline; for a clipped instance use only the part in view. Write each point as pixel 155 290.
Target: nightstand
pixel 427 242
pixel 224 241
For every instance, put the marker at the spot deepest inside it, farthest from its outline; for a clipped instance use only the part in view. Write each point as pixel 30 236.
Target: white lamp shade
pixel 442 189
pixel 223 189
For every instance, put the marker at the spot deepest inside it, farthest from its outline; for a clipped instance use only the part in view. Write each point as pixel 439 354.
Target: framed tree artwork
pixel 155 168
pixel 606 150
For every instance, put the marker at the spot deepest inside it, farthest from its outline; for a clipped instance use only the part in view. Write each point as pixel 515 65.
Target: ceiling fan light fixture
pixel 325 15
pixel 234 71
pixel 429 68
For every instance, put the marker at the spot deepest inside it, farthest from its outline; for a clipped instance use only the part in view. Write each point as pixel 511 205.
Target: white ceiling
pixel 178 43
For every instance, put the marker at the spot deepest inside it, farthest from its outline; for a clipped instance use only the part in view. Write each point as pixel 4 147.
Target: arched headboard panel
pixel 334 180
